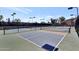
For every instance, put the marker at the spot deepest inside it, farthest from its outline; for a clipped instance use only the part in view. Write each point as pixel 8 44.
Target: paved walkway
pixel 70 42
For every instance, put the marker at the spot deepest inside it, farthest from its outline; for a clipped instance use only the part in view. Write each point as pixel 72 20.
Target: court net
pixel 57 29
pixel 49 28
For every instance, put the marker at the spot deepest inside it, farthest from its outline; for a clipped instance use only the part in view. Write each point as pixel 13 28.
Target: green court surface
pixel 12 42
pixel 70 42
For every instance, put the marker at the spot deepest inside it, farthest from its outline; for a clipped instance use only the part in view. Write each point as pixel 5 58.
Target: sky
pixel 41 14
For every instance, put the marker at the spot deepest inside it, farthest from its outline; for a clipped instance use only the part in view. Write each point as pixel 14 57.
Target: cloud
pixel 21 9
pixel 28 9
pixel 54 17
pixel 49 16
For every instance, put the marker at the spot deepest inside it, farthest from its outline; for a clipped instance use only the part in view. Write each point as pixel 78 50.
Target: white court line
pixel 60 41
pixel 28 40
pixel 40 46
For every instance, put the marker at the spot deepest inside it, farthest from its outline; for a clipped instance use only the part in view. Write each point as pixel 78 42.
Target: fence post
pixel 3 30
pixel 69 29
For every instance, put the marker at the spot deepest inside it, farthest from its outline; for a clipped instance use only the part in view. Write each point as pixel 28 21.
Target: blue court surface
pixel 43 38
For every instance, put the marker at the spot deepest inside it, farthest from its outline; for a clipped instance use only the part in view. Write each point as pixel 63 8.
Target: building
pixel 69 22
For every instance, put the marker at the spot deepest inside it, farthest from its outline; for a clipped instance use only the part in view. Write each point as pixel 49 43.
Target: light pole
pixel 13 14
pixel 71 18
pixel 76 10
pixel 77 19
pixel 32 18
pixel 70 23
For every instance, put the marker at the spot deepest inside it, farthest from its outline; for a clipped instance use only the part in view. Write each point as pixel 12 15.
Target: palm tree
pixel 13 15
pixel 1 17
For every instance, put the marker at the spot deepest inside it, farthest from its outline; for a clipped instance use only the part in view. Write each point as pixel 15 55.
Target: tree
pixel 53 21
pixel 62 19
pixel 8 20
pixel 1 17
pixel 13 14
pixel 17 20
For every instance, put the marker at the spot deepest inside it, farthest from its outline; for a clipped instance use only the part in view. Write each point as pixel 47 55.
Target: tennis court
pixel 40 36
pixel 45 36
